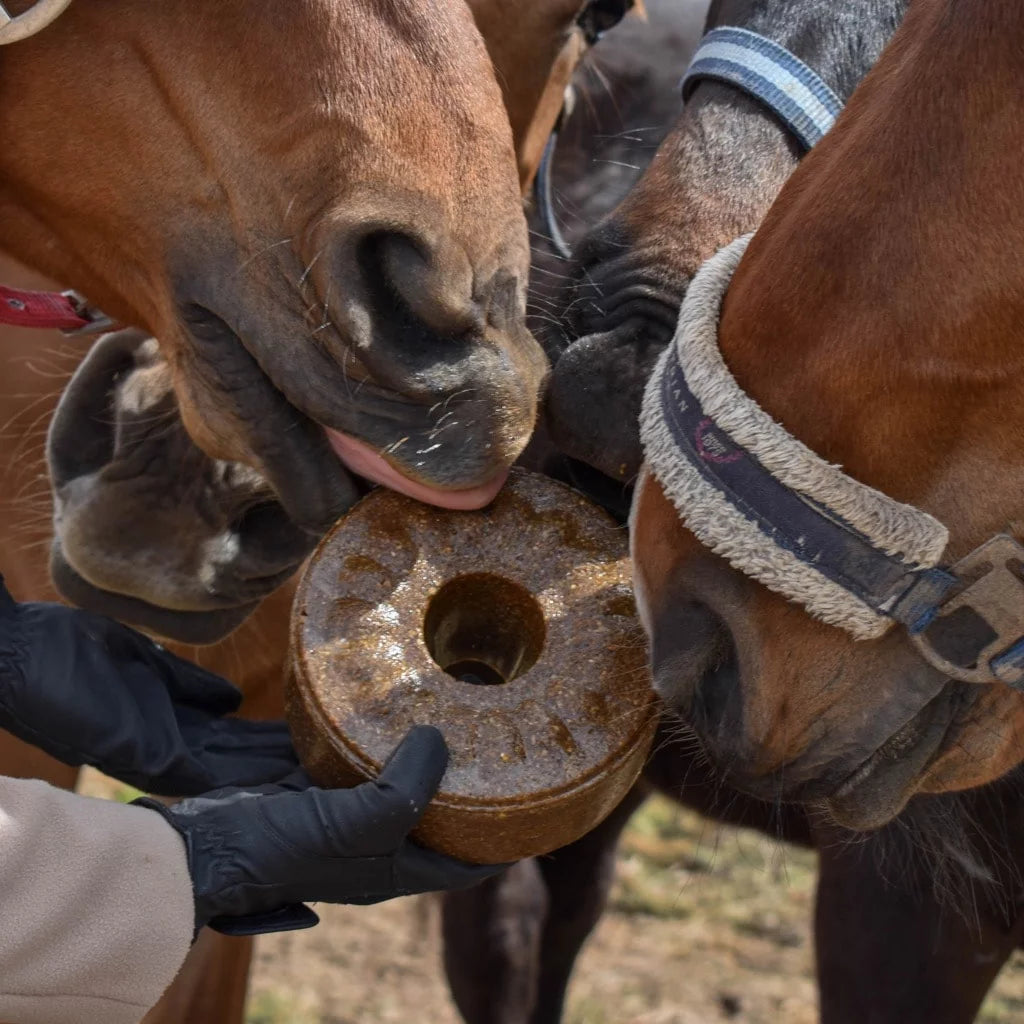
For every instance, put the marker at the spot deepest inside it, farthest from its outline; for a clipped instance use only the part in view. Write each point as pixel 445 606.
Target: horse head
pixel 712 178
pixel 875 318
pixel 362 346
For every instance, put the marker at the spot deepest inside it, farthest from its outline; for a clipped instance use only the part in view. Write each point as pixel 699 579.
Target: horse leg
pixel 22 761
pixel 578 879
pixel 890 952
pixel 492 938
pixel 210 987
pixel 511 943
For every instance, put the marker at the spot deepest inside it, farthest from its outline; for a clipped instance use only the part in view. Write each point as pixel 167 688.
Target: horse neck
pixel 727 156
pixel 879 311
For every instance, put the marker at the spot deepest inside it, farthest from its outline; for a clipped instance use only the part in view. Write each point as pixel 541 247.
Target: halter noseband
pixel 852 556
pixel 14 28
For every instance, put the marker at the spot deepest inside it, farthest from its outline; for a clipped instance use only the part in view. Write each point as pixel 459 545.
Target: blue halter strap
pixel 794 93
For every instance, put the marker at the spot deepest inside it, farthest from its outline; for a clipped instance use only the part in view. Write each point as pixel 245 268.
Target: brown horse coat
pixel 211 986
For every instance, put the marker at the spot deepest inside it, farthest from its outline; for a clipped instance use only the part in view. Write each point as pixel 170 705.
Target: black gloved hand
pixel 88 690
pixel 256 855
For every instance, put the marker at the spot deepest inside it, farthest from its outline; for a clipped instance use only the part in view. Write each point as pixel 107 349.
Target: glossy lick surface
pixel 534 589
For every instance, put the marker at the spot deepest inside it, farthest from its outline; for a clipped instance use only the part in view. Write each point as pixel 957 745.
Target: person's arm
pixel 99 901
pixel 96 907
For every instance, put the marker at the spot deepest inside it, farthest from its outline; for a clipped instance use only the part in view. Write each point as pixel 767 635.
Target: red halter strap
pixel 64 311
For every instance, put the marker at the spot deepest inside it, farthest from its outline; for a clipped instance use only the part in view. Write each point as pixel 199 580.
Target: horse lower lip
pixel 879 788
pixel 360 458
pixel 902 741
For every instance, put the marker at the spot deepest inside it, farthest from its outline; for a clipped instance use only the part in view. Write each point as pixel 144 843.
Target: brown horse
pixel 218 157
pixel 481 383
pixel 877 318
pixel 300 224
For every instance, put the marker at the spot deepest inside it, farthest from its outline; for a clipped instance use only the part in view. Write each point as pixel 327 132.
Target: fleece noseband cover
pixel 757 496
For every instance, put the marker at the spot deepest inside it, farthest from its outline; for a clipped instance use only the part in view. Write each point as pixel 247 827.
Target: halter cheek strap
pixel 762 68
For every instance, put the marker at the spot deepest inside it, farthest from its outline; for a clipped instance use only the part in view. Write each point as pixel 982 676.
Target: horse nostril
pixel 431 286
pixel 718 703
pixel 692 655
pixel 83 433
pixel 270 541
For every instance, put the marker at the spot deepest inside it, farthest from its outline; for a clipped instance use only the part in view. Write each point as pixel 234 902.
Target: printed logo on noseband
pixel 712 445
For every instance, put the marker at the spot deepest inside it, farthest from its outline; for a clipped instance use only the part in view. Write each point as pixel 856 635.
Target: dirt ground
pixel 707 924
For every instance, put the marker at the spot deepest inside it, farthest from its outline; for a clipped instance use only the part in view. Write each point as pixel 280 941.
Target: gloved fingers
pixel 418 869
pixel 239 770
pixel 295 782
pixel 185 682
pixel 241 735
pixel 383 812
pixel 413 772
pixel 237 752
pixel 193 686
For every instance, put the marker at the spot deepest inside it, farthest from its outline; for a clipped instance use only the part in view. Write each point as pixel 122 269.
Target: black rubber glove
pixel 256 856
pixel 88 690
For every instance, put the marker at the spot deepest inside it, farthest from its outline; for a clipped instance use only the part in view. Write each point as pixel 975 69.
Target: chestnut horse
pixel 875 317
pixel 221 163
pixel 300 224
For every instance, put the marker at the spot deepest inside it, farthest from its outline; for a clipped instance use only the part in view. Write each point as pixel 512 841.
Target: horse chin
pixel 187 627
pixel 880 787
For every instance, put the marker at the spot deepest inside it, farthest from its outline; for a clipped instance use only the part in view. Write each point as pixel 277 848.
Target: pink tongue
pixel 362 459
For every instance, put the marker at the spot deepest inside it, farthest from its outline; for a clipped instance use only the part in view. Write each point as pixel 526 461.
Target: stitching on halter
pixel 762 68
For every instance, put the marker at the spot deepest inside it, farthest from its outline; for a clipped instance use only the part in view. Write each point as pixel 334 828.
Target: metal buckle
pixel 98 320
pixel 14 28
pixel 994 591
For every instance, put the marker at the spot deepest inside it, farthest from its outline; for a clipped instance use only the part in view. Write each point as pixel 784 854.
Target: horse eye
pixel 600 15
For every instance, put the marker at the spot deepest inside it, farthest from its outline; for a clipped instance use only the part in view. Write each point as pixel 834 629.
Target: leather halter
pixel 14 28
pixel 988 582
pixel 66 311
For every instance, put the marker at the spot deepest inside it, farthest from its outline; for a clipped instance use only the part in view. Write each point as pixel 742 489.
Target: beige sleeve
pixel 96 911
